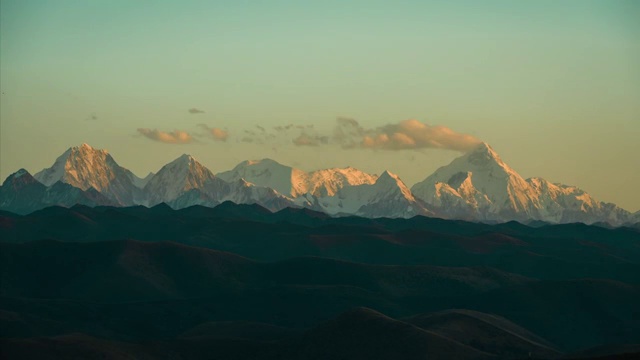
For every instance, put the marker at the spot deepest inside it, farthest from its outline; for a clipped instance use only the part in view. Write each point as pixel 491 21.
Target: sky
pixel 405 86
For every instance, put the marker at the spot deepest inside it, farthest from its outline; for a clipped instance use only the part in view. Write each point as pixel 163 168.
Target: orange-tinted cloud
pixel 173 137
pixel 407 134
pixel 216 134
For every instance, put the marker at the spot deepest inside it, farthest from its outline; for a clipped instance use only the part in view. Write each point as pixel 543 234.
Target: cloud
pixel 310 140
pixel 216 134
pixel 195 111
pixel 173 137
pixel 413 134
pixel 348 132
pixel 219 134
pixel 407 134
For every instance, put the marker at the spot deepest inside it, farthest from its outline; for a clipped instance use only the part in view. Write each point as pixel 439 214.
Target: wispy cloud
pixel 310 140
pixel 216 134
pixel 407 134
pixel 173 137
pixel 348 133
pixel 196 111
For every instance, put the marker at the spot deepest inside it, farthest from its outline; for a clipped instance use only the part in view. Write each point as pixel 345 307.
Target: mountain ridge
pixel 480 186
pixel 477 186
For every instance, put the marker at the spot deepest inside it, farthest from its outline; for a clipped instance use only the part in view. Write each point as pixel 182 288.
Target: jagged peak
pixel 18 174
pixel 85 148
pixel 483 156
pixel 485 149
pixel 483 146
pixel 390 179
pixel 22 176
pixel 184 159
pixel 185 163
pixel 387 175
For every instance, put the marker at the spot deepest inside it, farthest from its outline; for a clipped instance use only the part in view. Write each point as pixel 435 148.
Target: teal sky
pixel 553 86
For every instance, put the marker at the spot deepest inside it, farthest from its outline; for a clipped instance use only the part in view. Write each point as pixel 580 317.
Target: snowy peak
pixel 477 186
pixel 390 184
pixel 81 166
pixel 294 182
pixel 481 186
pixel 184 159
pixel 388 181
pixel 180 175
pixel 85 167
pixel 183 169
pixel 484 157
pixel 266 172
pixel 328 182
pixel 18 174
pixel 21 193
pixel 486 150
pixel 483 182
pixel 388 196
pixel 19 179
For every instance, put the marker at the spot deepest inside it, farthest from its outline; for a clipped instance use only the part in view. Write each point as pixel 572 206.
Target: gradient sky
pixel 553 86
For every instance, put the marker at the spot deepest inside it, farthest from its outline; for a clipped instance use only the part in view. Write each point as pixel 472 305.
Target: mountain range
pixel 478 186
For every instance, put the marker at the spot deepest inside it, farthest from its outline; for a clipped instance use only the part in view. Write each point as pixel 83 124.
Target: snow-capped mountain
pixel 294 182
pixel 85 167
pixel 346 191
pixel 480 186
pixel 176 178
pixel 239 192
pixel 387 197
pixel 560 203
pixel 269 173
pixel 21 193
pixel 477 186
pixel 185 182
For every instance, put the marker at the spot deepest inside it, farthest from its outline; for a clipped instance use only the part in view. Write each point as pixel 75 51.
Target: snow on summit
pixel 85 167
pixel 294 182
pixel 180 175
pixel 480 186
pixel 477 186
